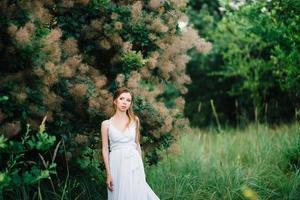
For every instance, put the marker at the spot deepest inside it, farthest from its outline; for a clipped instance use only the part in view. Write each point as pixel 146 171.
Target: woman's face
pixel 123 102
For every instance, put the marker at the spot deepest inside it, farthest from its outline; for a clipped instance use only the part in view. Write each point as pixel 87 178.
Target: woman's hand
pixel 109 182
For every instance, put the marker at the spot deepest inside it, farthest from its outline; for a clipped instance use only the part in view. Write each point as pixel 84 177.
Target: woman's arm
pixel 138 147
pixel 105 152
pixel 138 136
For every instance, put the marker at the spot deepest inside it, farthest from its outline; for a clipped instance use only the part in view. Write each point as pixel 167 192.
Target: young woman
pixel 124 165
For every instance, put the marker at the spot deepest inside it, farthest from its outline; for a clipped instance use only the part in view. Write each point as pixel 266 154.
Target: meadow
pixel 258 162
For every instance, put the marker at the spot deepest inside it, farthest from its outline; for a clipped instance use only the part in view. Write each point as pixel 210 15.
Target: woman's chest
pixel 128 134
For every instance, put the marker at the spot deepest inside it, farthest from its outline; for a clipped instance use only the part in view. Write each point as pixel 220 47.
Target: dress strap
pixel 109 125
pixel 109 122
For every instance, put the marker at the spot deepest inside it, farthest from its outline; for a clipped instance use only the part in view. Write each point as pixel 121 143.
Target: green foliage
pixel 4 180
pixel 170 94
pixel 22 161
pixel 97 4
pixel 204 15
pixel 89 161
pixel 41 141
pixel 251 71
pixel 141 35
pixel 3 98
pixel 132 60
pixel 3 141
pixel 292 153
pixel 35 174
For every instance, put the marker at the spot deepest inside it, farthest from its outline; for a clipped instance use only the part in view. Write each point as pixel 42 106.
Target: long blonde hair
pixel 129 112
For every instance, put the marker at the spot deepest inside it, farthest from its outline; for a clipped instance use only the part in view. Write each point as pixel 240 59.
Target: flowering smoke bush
pixel 64 59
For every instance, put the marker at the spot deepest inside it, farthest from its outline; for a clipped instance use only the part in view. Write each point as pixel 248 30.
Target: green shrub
pixel 23 163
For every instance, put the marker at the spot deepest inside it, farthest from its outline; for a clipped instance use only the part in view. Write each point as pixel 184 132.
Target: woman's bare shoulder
pixel 137 119
pixel 104 123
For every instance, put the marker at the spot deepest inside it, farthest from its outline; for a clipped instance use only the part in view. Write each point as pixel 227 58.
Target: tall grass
pixel 255 163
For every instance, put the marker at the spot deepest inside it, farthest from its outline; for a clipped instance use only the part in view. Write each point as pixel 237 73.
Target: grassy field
pixel 254 163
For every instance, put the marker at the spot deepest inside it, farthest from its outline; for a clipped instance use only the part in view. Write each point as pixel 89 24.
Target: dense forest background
pixel 252 72
pixel 202 73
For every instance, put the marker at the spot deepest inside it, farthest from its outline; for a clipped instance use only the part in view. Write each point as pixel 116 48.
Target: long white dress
pixel 126 167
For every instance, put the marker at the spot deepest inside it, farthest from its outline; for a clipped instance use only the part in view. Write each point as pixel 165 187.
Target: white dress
pixel 126 167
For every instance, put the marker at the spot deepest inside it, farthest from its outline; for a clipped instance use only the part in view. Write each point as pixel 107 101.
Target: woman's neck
pixel 120 115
